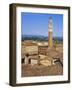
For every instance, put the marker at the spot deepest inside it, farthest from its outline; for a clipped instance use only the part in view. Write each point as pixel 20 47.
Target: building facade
pixel 43 50
pixel 29 53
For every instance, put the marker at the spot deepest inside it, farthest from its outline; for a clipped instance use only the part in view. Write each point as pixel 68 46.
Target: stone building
pixel 42 47
pixel 29 52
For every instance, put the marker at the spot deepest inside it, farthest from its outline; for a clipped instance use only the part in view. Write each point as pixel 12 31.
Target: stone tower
pixel 50 29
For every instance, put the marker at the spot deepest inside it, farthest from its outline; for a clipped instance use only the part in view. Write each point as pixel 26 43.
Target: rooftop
pixel 29 43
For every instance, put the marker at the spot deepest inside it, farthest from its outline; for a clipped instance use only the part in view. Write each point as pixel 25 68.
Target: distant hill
pixel 39 38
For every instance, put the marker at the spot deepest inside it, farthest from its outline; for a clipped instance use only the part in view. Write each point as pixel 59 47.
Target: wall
pixel 4 45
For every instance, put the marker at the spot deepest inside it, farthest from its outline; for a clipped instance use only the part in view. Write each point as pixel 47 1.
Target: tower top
pixel 50 18
pixel 50 24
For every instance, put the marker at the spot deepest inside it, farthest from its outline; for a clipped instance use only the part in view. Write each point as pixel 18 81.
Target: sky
pixel 37 24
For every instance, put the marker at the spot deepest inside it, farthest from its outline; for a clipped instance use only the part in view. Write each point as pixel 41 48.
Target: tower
pixel 50 28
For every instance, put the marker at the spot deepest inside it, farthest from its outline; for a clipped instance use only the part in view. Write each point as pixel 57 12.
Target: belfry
pixel 50 29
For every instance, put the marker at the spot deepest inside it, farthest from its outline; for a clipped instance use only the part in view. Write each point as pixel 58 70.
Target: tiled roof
pixel 29 44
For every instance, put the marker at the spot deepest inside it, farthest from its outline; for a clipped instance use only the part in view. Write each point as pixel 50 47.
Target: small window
pixel 29 62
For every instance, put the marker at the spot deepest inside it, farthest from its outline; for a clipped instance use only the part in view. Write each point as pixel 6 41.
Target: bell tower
pixel 50 29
